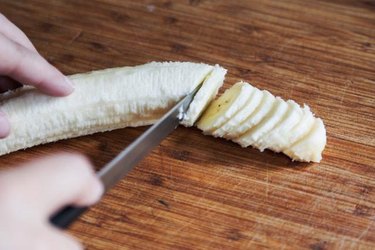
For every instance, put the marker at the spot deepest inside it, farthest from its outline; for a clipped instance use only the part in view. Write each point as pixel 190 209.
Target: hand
pixel 20 63
pixel 30 194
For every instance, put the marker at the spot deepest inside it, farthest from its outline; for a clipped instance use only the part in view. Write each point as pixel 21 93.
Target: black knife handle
pixel 66 216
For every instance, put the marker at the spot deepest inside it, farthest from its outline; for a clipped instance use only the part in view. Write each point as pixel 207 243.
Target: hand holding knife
pixel 116 169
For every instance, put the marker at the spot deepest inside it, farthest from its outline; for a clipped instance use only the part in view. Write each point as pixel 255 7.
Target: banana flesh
pixel 105 100
pixel 135 96
pixel 241 115
pixel 206 93
pixel 277 138
pixel 267 122
pixel 222 110
pixel 309 148
pixel 252 120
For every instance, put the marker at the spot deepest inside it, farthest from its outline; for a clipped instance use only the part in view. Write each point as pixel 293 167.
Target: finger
pixel 4 125
pixel 14 33
pixel 56 181
pixel 58 240
pixel 28 67
pixel 7 83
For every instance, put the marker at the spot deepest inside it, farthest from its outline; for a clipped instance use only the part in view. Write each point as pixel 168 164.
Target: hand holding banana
pixel 26 202
pixel 22 64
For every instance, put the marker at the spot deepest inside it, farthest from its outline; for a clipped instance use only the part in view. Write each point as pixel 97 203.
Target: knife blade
pixel 117 168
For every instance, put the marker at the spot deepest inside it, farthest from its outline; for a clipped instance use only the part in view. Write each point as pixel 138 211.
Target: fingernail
pixel 4 125
pixel 69 83
pixel 65 87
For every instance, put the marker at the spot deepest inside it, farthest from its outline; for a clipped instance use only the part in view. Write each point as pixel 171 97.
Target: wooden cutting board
pixel 197 192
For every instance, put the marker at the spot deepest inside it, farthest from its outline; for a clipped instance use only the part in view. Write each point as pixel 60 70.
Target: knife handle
pixel 66 216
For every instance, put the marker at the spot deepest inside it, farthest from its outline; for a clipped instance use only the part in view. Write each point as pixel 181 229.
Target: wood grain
pixel 197 192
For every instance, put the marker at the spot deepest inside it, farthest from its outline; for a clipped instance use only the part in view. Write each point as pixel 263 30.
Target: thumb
pixel 53 182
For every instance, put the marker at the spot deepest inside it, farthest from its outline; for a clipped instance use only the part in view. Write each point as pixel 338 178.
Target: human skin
pixel 32 192
pixel 22 64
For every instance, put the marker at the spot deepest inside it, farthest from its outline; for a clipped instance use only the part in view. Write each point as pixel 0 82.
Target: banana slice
pixel 106 100
pixel 265 125
pixel 259 113
pixel 310 147
pixel 223 108
pixel 279 137
pixel 240 116
pixel 206 93
pixel 299 131
pixel 268 122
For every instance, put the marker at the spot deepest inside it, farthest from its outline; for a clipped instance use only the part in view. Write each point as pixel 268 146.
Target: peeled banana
pixel 106 100
pixel 134 96
pixel 264 122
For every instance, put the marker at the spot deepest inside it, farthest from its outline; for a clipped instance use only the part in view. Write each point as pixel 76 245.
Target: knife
pixel 116 169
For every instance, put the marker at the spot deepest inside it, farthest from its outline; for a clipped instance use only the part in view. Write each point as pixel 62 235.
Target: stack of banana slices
pixel 251 117
pixel 136 96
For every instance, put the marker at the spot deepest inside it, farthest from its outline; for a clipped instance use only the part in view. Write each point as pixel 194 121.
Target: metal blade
pixel 115 170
